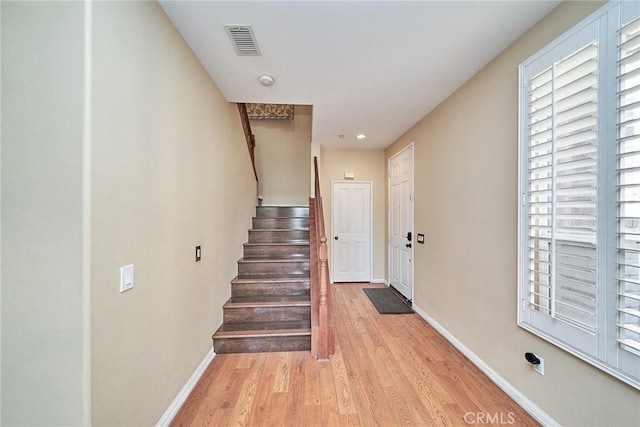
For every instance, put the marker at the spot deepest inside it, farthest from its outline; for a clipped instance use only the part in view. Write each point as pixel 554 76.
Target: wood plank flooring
pixel 388 370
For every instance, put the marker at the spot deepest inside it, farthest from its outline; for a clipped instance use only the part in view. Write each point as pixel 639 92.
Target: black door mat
pixel 386 302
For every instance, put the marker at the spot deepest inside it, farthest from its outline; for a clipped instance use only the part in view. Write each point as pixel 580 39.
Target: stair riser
pixel 271 223
pixel 276 251
pixel 273 289
pixel 266 314
pixel 272 268
pixel 263 344
pixel 258 236
pixel 280 211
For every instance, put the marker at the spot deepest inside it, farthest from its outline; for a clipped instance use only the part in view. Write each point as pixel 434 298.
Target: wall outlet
pixel 126 278
pixel 539 368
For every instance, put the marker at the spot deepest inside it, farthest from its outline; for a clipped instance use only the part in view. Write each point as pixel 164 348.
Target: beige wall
pixel 170 170
pixel 367 165
pixel 466 205
pixel 43 343
pixel 283 149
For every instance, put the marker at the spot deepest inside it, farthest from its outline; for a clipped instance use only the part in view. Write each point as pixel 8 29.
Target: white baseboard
pixel 522 400
pixel 177 403
pixel 378 281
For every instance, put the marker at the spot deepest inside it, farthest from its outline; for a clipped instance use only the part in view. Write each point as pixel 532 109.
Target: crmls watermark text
pixel 488 418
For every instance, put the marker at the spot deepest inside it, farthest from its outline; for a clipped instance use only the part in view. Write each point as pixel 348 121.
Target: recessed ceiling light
pixel 341 136
pixel 361 136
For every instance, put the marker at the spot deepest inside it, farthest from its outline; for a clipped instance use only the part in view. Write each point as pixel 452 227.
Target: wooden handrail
pixel 322 324
pixel 249 136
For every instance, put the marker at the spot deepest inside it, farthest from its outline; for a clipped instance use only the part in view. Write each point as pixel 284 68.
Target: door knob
pixel 408 245
pixel 336 237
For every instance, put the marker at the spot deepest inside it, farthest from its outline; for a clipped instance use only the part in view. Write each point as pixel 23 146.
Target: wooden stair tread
pixel 256 278
pixel 290 278
pixel 273 298
pixel 245 326
pixel 282 217
pixel 286 259
pixel 282 212
pixel 268 301
pixel 263 333
pixel 294 243
pixel 279 230
pixel 269 257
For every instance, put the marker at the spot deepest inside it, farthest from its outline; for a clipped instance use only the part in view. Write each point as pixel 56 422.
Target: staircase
pixel 270 309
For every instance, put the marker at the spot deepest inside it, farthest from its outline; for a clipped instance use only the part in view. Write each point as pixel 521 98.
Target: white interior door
pixel 401 222
pixel 351 224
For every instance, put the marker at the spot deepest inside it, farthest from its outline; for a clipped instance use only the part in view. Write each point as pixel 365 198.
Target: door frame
pixel 330 237
pixel 410 146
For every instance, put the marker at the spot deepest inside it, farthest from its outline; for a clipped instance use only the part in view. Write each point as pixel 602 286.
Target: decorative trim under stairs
pixel 270 307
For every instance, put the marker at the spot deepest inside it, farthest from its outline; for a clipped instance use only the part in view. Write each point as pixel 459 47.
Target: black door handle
pixel 336 237
pixel 409 236
pixel 408 245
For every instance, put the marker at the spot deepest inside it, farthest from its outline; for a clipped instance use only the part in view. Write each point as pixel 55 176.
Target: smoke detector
pixel 266 80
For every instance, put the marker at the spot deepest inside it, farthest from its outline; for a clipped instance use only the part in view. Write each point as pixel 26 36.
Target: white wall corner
pixel 534 410
pixel 177 403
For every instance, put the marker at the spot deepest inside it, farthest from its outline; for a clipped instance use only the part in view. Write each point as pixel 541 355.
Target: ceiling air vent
pixel 243 40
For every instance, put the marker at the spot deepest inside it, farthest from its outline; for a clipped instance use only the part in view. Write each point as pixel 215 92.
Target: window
pixel 579 169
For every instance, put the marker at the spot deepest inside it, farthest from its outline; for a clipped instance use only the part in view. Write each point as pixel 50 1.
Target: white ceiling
pixel 372 67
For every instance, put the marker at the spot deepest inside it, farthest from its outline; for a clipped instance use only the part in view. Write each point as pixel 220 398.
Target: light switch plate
pixel 126 278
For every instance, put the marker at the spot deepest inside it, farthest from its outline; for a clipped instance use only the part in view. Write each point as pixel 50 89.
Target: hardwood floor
pixel 388 370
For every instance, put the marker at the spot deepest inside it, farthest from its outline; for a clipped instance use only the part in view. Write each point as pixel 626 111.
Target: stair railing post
pixel 313 249
pixel 322 325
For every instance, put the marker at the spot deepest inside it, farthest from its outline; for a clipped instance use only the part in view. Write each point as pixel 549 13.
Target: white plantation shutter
pixel 579 216
pixel 575 189
pixel 561 196
pixel 629 186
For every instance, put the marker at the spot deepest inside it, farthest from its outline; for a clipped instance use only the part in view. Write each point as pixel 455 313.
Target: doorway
pixel 351 225
pixel 401 237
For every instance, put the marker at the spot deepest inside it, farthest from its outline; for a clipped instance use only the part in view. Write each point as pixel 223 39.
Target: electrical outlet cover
pixel 539 368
